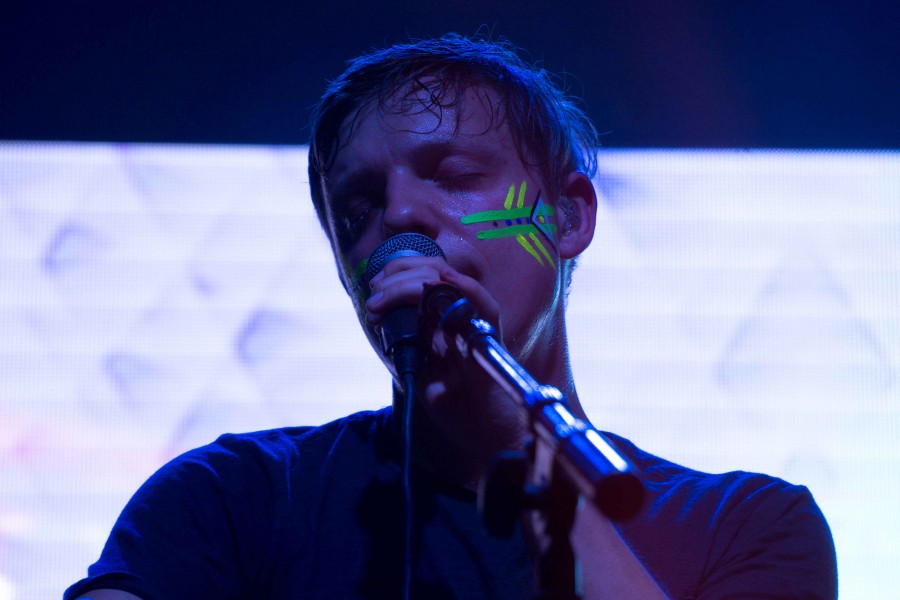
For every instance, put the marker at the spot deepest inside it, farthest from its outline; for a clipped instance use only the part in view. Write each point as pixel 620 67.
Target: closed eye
pixel 459 181
pixel 354 214
pixel 456 173
pixel 355 218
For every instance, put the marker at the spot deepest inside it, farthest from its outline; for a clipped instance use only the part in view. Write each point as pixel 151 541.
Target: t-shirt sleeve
pixel 775 546
pixel 178 535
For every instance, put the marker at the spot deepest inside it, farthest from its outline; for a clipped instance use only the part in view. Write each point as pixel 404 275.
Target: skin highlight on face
pixel 522 221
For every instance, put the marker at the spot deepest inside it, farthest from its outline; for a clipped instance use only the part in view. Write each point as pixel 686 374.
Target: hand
pixel 463 404
pixel 402 281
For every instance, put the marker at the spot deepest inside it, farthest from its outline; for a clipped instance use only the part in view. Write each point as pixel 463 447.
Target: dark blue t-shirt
pixel 318 513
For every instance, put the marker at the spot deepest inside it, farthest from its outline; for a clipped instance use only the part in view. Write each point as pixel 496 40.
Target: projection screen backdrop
pixel 737 310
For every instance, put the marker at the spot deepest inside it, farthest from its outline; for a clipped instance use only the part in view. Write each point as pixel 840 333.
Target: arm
pixel 609 568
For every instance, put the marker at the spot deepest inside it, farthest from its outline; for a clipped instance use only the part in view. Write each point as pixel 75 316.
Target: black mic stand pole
pixel 566 458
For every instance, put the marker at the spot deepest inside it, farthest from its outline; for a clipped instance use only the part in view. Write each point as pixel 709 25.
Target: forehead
pixel 433 108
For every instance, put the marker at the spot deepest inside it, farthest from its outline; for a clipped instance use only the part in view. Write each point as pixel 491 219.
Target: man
pixel 460 141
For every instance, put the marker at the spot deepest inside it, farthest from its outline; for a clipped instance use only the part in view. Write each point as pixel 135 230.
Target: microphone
pixel 400 341
pixel 400 330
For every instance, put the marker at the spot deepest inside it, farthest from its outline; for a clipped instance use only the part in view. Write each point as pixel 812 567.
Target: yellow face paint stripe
pixel 543 250
pixel 507 204
pixel 524 243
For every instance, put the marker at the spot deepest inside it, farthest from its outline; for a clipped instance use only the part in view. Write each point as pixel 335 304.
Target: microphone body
pixel 400 330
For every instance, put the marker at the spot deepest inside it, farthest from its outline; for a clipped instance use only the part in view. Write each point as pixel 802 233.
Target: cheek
pixel 352 264
pixel 523 284
pixel 352 280
pixel 521 216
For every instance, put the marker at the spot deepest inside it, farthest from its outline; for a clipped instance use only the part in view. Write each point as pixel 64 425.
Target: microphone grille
pixel 400 245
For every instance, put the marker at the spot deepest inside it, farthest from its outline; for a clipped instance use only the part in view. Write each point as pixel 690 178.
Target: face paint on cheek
pixel 526 223
pixel 357 287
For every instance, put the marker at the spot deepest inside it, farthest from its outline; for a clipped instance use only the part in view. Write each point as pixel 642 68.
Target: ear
pixel 577 215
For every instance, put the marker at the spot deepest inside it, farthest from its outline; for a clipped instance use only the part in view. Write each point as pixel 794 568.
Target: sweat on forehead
pixel 434 98
pixel 439 93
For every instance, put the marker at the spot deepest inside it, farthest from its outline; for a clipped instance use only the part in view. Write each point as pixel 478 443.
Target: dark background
pixel 727 73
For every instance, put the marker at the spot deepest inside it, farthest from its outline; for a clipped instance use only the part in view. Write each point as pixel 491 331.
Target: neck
pixel 458 433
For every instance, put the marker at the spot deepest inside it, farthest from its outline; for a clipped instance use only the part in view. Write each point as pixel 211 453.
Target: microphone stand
pixel 566 457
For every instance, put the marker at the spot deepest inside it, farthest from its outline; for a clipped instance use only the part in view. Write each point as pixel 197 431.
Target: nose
pixel 410 207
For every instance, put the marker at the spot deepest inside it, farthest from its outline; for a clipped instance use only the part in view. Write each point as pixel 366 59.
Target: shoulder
pixel 209 517
pixel 294 446
pixel 246 470
pixel 689 489
pixel 749 533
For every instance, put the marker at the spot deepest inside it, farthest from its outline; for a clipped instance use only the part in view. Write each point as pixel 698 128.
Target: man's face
pixel 454 174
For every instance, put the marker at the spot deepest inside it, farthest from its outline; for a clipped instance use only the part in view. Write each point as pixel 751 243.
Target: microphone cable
pixel 400 339
pixel 409 396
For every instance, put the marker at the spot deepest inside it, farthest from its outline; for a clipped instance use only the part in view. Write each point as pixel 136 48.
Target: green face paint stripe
pixel 359 273
pixel 360 269
pixel 500 215
pixel 495 215
pixel 540 246
pixel 539 209
pixel 524 243
pixel 493 234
